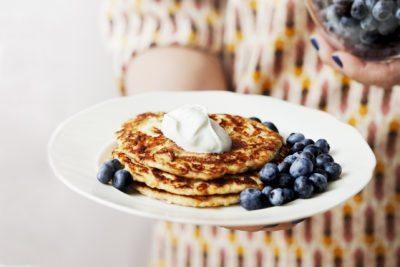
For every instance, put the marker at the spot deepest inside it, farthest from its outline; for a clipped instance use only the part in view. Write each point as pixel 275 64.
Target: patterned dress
pixel 265 47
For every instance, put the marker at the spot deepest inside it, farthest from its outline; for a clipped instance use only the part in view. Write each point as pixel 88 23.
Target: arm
pixel 174 68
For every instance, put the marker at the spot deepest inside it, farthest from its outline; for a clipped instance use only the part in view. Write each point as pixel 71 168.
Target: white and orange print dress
pixel 265 47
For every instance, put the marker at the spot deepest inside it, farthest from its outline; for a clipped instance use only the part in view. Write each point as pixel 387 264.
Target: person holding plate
pixel 271 48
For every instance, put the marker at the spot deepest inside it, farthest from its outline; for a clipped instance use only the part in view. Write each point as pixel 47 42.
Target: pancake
pixel 171 183
pixel 189 201
pixel 253 145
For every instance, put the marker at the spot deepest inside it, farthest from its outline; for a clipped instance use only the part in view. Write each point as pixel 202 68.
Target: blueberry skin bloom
pixel 302 166
pixel 303 187
pixel 297 147
pixel 121 180
pixel 333 170
pixel 307 142
pixel 369 24
pixel 115 163
pixel 294 138
pixel 271 126
pixel 383 10
pixel 283 167
pixel 359 9
pixel 106 173
pixel 320 170
pixel 290 159
pixel 314 149
pixel 319 181
pixel 285 180
pixel 307 154
pixel 370 3
pixel 269 173
pixel 253 199
pixel 348 22
pixel 277 197
pixel 323 145
pixel 266 190
pixel 288 194
pixel 322 159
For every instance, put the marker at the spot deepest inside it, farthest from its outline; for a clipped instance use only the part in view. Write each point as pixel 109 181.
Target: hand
pixel 383 74
pixel 269 228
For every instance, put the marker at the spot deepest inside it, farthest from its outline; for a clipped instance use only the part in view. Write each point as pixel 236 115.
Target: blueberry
pixel 322 159
pixel 253 199
pixel 269 173
pixel 285 180
pixel 348 22
pixel 297 147
pixel 106 173
pixel 369 24
pixel 294 138
pixel 122 179
pixel 283 167
pixel 370 3
pixel 266 190
pixel 388 26
pixel 319 181
pixel 301 166
pixel 359 9
pixel 323 145
pixel 307 154
pixel 115 163
pixel 383 10
pixel 398 13
pixel 290 159
pixel 342 7
pixel 288 194
pixel 303 187
pixel 320 170
pixel 307 142
pixel 369 38
pixel 276 197
pixel 313 149
pixel 271 126
pixel 333 170
pixel 255 119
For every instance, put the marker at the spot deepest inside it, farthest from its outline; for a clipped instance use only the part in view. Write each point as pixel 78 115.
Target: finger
pixel 271 227
pixel 280 227
pixel 245 228
pixel 323 48
pixel 367 72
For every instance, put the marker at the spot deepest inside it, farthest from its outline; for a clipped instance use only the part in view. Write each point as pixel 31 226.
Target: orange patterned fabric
pixel 265 47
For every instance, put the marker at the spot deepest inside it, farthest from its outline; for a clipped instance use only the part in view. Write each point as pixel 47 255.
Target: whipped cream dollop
pixel 191 129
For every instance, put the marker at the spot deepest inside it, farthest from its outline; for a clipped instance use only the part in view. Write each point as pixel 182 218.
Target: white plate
pixel 82 141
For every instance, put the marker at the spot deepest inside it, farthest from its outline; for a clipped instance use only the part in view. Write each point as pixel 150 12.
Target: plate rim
pixel 166 217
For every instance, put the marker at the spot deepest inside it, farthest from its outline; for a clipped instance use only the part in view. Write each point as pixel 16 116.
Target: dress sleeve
pixel 133 26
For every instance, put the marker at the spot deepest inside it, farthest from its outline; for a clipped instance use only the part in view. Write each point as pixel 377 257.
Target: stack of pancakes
pixel 162 170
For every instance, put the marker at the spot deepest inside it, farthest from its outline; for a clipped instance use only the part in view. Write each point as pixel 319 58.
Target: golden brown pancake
pixel 158 179
pixel 253 145
pixel 189 201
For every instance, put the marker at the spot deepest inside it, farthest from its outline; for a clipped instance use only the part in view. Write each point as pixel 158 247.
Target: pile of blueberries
pixel 364 24
pixel 304 172
pixel 112 171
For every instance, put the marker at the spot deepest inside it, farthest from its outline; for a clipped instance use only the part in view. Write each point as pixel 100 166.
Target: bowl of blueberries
pixel 369 29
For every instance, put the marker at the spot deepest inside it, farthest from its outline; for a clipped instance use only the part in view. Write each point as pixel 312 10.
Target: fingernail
pixel 337 61
pixel 314 43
